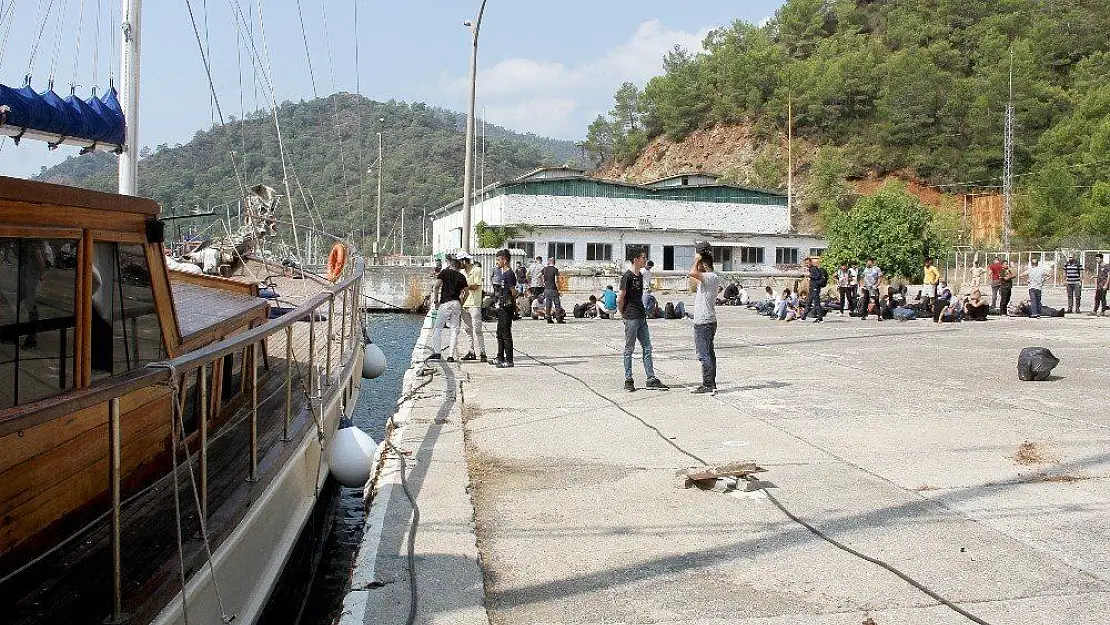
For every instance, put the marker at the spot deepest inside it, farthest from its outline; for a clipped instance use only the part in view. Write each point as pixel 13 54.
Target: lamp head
pixel 468 24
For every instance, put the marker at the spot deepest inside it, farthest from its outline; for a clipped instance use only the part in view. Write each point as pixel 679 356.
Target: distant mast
pixel 129 97
pixel 790 163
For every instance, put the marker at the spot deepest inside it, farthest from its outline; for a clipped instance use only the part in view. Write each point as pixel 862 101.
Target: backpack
pixel 822 279
pixel 668 311
pixel 579 311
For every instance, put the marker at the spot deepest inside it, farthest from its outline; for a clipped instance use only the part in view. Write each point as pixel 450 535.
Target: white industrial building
pixel 589 223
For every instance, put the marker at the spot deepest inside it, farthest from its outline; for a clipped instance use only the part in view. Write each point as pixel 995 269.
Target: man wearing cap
pixel 1073 275
pixel 472 307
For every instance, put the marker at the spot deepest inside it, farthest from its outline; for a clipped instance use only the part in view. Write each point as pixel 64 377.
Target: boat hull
pixel 247 566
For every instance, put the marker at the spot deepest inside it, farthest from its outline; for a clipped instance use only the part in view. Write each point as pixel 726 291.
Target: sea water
pixel 321 594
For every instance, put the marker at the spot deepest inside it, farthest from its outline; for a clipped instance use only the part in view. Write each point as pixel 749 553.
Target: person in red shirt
pixel 996 281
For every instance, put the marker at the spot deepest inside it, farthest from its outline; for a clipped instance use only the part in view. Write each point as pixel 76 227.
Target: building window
pixel 599 252
pixel 816 252
pixel 751 255
pixel 643 246
pixel 560 251
pixel 38 280
pixel 677 257
pixel 529 247
pixel 722 258
pixel 786 256
pixel 454 239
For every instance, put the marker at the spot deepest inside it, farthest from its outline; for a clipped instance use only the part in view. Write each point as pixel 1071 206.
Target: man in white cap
pixel 472 307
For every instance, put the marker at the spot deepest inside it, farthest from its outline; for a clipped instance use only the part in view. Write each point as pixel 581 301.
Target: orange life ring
pixel 337 259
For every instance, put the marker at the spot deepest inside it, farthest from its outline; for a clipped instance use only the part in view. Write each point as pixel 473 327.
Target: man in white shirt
pixel 645 272
pixel 1036 276
pixel 472 307
pixel 705 320
pixel 535 273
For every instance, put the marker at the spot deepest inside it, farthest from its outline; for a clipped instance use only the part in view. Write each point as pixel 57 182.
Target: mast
pixel 129 96
pixel 790 163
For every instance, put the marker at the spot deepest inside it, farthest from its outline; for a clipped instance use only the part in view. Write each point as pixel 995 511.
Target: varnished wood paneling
pixel 45 193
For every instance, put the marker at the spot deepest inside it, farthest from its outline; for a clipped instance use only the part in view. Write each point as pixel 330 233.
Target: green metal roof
pixel 589 187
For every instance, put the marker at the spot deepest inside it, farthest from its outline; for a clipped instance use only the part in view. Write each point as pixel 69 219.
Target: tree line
pixel 917 88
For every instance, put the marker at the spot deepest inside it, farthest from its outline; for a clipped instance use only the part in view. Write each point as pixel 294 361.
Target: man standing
pixel 818 279
pixel 450 285
pixel 844 287
pixel 630 302
pixel 506 309
pixel 1073 278
pixel 535 272
pixel 705 320
pixel 995 269
pixel 871 275
pixel 472 308
pixel 929 293
pixel 1036 276
pixel 1102 281
pixel 551 291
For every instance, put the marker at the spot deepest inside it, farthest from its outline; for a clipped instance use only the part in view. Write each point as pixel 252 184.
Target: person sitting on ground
pixel 975 307
pixel 651 305
pixel 743 298
pixel 943 300
pixel 607 304
pixel 587 309
pixel 538 311
pixel 728 294
pixel 767 306
pixel 782 304
pixel 796 308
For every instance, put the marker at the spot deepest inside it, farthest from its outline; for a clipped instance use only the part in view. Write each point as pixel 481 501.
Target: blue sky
pixel 544 67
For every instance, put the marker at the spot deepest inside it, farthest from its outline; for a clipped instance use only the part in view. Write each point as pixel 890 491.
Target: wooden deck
pixel 73 584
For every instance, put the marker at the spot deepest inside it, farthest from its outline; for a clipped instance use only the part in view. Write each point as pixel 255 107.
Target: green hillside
pixel 912 87
pixel 332 143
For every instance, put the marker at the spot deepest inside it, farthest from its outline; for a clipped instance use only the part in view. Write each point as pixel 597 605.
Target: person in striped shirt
pixel 1073 272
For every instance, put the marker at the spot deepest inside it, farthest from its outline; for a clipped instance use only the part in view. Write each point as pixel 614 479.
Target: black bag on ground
pixel 668 311
pixel 579 311
pixel 1036 363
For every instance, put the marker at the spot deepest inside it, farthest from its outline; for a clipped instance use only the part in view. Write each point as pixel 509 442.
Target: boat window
pixel 126 334
pixel 38 280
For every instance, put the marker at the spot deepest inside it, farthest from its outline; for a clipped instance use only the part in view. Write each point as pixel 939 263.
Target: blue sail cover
pixel 96 120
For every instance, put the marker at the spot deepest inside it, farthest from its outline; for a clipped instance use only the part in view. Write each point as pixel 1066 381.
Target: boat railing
pixel 318 368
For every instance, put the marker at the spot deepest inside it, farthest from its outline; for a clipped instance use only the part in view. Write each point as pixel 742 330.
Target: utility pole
pixel 1008 164
pixel 381 168
pixel 468 164
pixel 790 162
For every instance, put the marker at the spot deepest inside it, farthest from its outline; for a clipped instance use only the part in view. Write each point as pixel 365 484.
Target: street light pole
pixel 381 168
pixel 468 167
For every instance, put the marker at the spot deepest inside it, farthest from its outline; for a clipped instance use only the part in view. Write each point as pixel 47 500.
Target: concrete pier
pixel 912 443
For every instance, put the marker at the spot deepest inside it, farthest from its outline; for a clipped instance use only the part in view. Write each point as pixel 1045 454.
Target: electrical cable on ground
pixel 816 532
pixel 413 594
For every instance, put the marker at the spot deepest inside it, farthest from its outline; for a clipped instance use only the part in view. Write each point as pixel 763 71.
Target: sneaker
pixel 704 390
pixel 469 356
pixel 495 362
pixel 551 321
pixel 817 320
pixel 506 364
pixel 435 357
pixel 629 385
pixel 450 359
pixel 654 383
pixel 560 321
pixel 483 358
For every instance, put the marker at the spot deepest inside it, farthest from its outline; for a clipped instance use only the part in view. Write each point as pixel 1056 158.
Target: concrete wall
pixel 396 287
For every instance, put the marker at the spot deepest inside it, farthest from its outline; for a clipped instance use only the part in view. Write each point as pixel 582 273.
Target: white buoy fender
pixel 351 456
pixel 373 361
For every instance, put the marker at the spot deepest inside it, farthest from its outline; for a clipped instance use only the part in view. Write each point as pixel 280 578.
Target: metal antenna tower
pixel 1008 164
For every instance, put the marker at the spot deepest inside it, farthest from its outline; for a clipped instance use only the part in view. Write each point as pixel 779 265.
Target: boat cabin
pixel 86 303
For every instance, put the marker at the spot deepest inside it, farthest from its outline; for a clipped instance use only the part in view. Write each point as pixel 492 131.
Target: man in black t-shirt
pixel 506 309
pixel 450 285
pixel 630 303
pixel 551 292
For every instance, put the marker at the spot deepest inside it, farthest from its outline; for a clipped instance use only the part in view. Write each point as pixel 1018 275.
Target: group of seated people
pixel 894 304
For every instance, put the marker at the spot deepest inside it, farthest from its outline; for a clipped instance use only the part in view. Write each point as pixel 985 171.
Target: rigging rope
pixel 59 22
pixel 358 88
pixel 44 16
pixel 307 52
pixel 8 16
pixel 212 88
pixel 77 51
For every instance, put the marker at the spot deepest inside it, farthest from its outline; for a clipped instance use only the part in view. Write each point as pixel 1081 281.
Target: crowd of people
pixel 463 303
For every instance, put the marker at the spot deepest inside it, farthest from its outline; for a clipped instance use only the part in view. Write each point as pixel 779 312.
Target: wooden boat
pixel 162 439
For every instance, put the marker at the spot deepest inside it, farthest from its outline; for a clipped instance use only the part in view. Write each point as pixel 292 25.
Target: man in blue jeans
pixel 705 320
pixel 1036 276
pixel 818 279
pixel 630 303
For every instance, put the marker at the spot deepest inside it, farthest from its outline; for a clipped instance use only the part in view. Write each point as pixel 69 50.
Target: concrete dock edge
pixel 427 428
